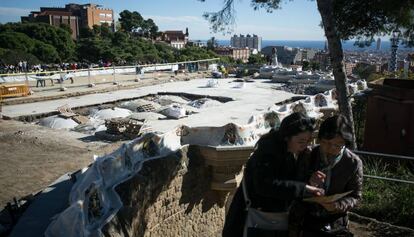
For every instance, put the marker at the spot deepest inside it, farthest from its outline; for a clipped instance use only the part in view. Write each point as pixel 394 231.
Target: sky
pixel 297 20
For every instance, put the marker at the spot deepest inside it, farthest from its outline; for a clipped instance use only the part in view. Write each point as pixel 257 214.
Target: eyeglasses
pixel 333 145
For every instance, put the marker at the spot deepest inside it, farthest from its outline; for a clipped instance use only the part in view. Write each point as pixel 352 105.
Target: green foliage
pixel 148 28
pixel 305 65
pixel 365 19
pixel 57 37
pixel 66 27
pixel 315 66
pixel 226 60
pixel 375 76
pixel 212 43
pixel 45 52
pixel 10 56
pixel 166 52
pixel 310 66
pixel 104 31
pixel 15 40
pixel 86 33
pixel 239 61
pixel 194 53
pixel 388 201
pixel 49 44
pixel 130 20
pixel 21 43
pixel 257 59
pixel 364 71
pixel 359 110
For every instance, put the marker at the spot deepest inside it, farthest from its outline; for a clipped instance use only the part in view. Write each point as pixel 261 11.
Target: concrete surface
pixel 254 98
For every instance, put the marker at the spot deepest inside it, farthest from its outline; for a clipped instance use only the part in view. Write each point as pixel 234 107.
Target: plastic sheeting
pixel 170 99
pixel 204 103
pixel 212 83
pixel 136 105
pixel 111 113
pixel 174 111
pixel 57 122
pixel 93 199
pixel 146 116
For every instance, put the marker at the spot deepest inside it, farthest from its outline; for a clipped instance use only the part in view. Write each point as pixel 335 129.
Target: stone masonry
pixel 170 196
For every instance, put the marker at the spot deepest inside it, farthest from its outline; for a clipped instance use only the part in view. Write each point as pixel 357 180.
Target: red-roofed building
pixel 176 38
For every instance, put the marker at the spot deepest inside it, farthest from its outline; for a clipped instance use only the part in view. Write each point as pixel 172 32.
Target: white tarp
pixel 204 103
pixel 134 105
pixel 170 99
pixel 173 111
pixel 111 113
pixel 57 122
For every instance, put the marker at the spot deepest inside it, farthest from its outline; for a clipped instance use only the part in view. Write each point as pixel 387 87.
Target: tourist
pixel 337 170
pixel 272 176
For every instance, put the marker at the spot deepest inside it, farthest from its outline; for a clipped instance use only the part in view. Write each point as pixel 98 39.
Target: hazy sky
pixel 297 20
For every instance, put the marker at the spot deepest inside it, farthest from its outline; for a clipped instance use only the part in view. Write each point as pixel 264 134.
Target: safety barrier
pixel 13 90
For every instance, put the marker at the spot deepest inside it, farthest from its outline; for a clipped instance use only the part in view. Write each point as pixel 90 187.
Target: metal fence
pixel 94 76
pixel 388 162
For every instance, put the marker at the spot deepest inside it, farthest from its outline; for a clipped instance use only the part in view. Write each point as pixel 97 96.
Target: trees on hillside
pixel 134 22
pixel 56 37
pixel 341 19
pixel 130 20
pixel 212 43
pixel 43 43
pixel 25 45
pixel 257 59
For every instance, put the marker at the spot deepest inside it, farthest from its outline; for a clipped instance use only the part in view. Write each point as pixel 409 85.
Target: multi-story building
pixel 349 67
pixel 176 38
pixel 235 53
pixel 304 55
pixel 197 43
pixel 74 15
pixel 288 55
pixel 251 42
pixel 378 44
pixel 285 55
pixel 323 59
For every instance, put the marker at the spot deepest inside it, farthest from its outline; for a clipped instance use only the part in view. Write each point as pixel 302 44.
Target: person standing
pixel 272 178
pixel 337 170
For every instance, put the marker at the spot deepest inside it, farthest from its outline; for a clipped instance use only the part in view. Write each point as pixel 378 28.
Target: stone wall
pixel 170 196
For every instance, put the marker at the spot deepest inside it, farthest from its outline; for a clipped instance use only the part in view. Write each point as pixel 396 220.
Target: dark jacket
pixel 346 176
pixel 272 179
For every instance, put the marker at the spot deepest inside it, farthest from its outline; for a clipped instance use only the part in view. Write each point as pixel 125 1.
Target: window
pixel 102 15
pixel 109 15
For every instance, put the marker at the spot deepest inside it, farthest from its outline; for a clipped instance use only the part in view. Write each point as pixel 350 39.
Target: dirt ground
pixel 32 157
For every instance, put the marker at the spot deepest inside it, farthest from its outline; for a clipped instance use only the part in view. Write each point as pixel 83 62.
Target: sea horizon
pixel 319 44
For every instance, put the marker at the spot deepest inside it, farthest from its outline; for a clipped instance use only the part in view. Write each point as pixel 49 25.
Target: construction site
pixel 124 153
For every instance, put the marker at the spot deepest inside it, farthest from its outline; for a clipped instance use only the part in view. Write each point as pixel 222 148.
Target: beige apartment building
pixel 235 53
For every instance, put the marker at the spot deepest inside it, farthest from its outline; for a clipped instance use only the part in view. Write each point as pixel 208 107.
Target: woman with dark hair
pixel 337 170
pixel 271 177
